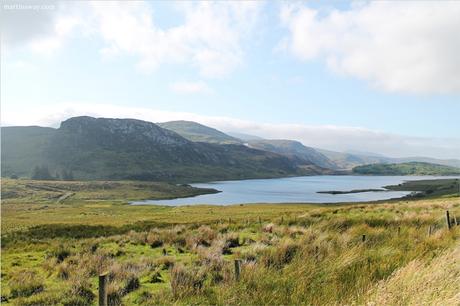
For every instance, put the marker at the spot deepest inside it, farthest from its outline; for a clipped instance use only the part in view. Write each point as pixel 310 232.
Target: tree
pixel 41 173
pixel 67 175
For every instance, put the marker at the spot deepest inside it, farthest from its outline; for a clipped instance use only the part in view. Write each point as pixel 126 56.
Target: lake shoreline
pixel 307 189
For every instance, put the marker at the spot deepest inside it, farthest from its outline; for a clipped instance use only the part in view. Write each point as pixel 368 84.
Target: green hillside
pixel 349 160
pixel 296 151
pixel 200 133
pixel 412 168
pixel 101 148
pixel 23 148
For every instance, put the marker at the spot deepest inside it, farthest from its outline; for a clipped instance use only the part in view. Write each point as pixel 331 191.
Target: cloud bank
pixel 398 46
pixel 339 138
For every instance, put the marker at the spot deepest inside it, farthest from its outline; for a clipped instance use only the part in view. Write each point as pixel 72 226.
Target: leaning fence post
pixel 430 230
pixel 455 220
pixel 103 289
pixel 448 220
pixel 237 269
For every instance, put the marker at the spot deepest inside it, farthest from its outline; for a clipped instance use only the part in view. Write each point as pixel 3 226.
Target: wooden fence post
pixel 430 230
pixel 237 269
pixel 364 238
pixel 455 220
pixel 399 230
pixel 448 220
pixel 103 289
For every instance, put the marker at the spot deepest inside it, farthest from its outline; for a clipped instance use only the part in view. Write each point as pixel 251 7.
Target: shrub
pixel 63 270
pixel 131 283
pixel 60 253
pixel 204 236
pixel 281 255
pixel 94 264
pixel 186 281
pixel 114 293
pixel 232 240
pixel 25 283
pixel 165 262
pixel 80 288
pixel 156 277
pixel 75 301
pixel 154 240
pixel 42 299
pixel 137 238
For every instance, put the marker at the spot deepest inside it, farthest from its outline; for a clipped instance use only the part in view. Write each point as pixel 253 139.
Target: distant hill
pixel 348 160
pixel 102 148
pixel 445 162
pixel 302 156
pixel 194 131
pixel 244 137
pixel 21 147
pixel 411 168
pixel 296 151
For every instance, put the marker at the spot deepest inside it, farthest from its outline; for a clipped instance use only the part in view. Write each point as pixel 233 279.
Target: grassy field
pixel 57 237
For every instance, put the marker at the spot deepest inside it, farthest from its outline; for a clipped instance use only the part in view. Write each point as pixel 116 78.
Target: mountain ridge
pixel 197 132
pixel 107 148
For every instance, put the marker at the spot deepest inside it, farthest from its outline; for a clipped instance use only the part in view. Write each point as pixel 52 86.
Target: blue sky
pixel 325 70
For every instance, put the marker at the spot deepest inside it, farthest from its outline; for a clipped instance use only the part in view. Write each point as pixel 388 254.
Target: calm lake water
pixel 293 190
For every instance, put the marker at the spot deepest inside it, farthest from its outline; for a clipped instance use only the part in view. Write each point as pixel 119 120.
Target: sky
pixel 374 76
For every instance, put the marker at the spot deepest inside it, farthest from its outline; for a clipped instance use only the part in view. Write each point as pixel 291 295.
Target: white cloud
pixel 340 138
pixel 210 37
pixel 398 46
pixel 42 26
pixel 21 23
pixel 190 87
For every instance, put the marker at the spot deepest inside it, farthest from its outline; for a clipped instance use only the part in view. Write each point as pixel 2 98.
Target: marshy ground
pixel 57 237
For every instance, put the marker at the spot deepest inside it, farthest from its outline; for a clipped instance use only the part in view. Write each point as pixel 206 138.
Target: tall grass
pixel 317 257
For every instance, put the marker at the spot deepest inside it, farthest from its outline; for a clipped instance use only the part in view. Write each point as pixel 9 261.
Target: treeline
pixel 43 173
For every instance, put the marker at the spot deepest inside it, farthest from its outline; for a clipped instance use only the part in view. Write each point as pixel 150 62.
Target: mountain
pixel 445 162
pixel 296 151
pixel 347 161
pixel 301 156
pixel 411 168
pixel 20 147
pixel 103 148
pixel 350 159
pixel 199 133
pixel 244 137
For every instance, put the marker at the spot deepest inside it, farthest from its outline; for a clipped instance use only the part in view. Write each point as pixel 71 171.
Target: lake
pixel 293 190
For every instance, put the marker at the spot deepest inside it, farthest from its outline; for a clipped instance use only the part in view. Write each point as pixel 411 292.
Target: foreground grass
pixel 53 251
